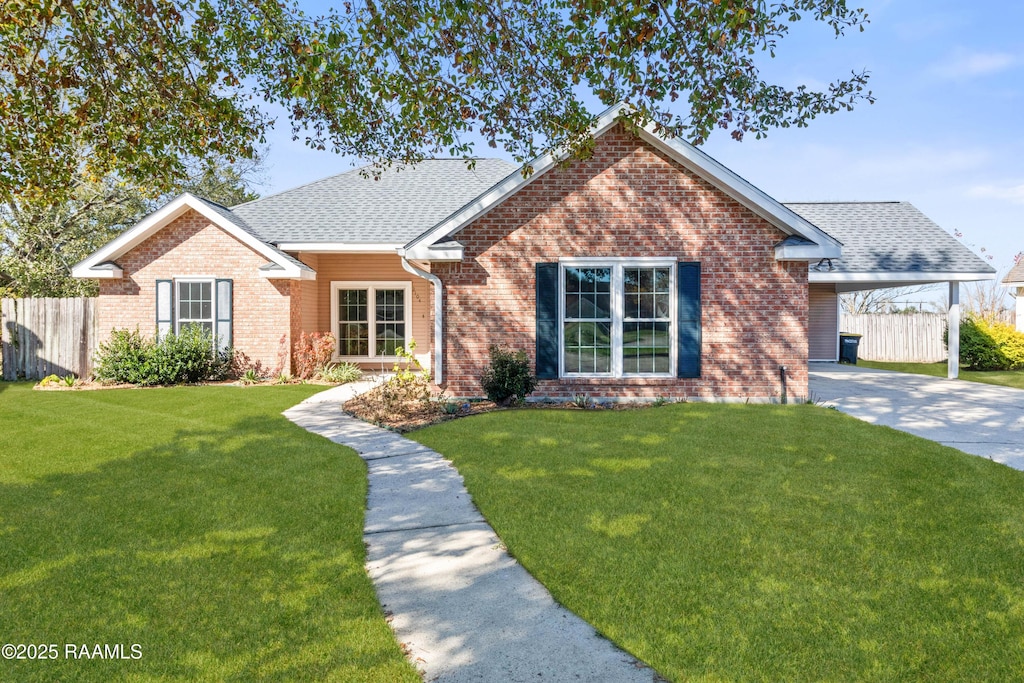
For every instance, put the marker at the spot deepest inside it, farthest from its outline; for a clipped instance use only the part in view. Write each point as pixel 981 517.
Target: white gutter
pixel 438 310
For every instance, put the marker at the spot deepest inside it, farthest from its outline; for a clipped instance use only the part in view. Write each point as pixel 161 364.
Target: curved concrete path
pixel 460 605
pixel 981 419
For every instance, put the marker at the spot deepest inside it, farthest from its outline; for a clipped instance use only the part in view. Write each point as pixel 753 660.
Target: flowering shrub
pixel 986 345
pixel 313 353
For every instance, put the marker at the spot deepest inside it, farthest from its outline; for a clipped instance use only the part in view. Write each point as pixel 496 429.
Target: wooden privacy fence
pixel 47 337
pixel 898 337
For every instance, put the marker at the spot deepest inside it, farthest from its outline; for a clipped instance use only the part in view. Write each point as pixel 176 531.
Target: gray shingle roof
pixel 889 237
pixel 1016 274
pixel 238 220
pixel 352 208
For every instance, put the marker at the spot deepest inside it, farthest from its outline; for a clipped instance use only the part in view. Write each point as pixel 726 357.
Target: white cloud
pixel 1009 193
pixel 963 64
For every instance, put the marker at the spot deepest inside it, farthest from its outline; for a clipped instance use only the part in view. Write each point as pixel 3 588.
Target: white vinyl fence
pixel 47 337
pixel 898 337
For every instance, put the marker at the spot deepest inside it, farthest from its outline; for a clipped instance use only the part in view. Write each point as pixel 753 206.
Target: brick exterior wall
pixel 629 200
pixel 264 317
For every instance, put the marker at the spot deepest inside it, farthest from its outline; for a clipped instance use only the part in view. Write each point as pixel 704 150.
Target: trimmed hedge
pixel 183 358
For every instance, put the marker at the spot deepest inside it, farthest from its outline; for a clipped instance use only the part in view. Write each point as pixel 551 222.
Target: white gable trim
pixel 680 151
pixel 92 266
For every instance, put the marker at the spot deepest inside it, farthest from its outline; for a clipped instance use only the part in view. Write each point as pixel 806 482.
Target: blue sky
pixel 946 132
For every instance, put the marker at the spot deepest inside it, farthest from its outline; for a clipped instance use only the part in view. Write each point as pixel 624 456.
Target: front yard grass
pixel 196 522
pixel 1006 378
pixel 720 542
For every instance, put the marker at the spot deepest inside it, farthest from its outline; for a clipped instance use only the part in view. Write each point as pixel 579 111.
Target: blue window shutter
pixel 547 321
pixel 164 307
pixel 688 284
pixel 222 329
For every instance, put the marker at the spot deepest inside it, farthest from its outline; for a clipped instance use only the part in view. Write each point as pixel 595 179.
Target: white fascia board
pixel 424 252
pixel 163 216
pixel 805 252
pixel 341 247
pixel 909 277
pixel 292 274
pixel 86 273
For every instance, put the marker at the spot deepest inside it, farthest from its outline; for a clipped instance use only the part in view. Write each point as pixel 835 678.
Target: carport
pixel 885 244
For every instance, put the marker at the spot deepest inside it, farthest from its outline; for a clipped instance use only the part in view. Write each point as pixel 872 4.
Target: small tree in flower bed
pixel 313 352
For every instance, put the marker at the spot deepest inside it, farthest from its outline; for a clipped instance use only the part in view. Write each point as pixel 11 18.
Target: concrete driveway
pixel 982 419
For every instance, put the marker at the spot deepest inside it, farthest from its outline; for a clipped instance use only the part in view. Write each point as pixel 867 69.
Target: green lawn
pixel 775 543
pixel 1008 378
pixel 195 522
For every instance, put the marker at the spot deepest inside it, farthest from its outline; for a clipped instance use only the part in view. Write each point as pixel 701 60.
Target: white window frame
pixel 371 298
pixel 618 298
pixel 176 299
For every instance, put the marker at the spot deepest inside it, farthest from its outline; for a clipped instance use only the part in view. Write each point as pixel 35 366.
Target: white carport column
pixel 1020 309
pixel 953 341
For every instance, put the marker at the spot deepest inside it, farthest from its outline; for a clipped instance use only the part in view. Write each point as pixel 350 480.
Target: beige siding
pixel 373 268
pixel 823 332
pixel 309 317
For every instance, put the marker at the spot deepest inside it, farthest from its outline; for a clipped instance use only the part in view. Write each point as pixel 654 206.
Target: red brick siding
pixel 630 200
pixel 191 246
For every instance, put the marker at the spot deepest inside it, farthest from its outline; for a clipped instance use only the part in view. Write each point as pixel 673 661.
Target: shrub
pixel 508 376
pixel 340 373
pixel 241 366
pixel 124 358
pixel 410 382
pixel 313 353
pixel 180 358
pixel 183 358
pixel 986 345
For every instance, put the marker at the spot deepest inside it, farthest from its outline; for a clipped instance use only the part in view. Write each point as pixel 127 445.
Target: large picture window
pixel 618 318
pixel 371 319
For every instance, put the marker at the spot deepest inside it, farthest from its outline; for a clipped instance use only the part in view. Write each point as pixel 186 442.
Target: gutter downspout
pixel 438 310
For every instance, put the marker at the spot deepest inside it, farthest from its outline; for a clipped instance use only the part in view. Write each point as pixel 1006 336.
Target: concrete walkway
pixel 981 419
pixel 463 608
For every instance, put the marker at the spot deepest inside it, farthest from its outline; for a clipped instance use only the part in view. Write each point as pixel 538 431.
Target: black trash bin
pixel 848 344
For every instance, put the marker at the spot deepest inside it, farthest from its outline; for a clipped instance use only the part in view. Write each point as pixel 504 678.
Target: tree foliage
pixel 141 86
pixel 42 235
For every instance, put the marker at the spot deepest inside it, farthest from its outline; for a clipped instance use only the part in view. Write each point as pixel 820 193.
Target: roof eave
pixel 806 252
pixel 919 277
pixel 448 252
pixel 341 247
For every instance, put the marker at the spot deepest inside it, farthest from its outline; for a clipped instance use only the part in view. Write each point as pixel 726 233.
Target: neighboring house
pixel 1015 281
pixel 645 270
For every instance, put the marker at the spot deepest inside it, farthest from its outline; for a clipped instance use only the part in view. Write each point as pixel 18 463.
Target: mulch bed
pixel 413 415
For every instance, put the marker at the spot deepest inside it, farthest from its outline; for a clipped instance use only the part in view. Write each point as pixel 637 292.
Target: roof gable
pixel 815 242
pixel 100 263
pixel 1015 277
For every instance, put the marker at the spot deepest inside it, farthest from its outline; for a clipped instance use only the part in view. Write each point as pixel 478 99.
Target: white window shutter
pixel 222 333
pixel 164 307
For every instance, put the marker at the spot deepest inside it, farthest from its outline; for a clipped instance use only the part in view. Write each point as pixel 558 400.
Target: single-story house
pixel 647 269
pixel 1015 281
